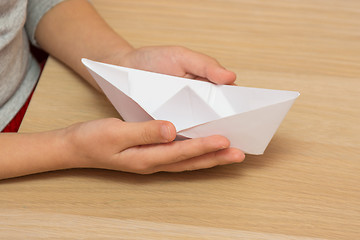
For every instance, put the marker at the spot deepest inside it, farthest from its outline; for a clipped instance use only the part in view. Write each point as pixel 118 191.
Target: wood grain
pixel 307 182
pixel 44 226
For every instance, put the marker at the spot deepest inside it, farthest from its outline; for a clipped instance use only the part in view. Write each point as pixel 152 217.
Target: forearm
pixel 73 30
pixel 22 154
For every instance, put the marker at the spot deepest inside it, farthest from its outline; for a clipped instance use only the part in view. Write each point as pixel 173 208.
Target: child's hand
pixel 144 148
pixel 176 61
pixel 141 147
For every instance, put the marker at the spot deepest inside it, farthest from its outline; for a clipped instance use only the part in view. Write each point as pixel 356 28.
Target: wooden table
pixel 306 185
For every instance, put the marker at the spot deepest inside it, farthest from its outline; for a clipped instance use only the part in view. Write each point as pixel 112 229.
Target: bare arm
pixel 73 30
pixel 22 154
pixel 144 148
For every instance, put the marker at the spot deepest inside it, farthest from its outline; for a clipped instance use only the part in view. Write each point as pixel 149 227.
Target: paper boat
pixel 248 117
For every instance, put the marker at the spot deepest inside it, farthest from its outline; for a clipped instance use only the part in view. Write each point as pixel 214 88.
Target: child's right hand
pixel 144 148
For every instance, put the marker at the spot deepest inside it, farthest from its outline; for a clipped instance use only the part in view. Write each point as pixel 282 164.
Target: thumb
pixel 150 132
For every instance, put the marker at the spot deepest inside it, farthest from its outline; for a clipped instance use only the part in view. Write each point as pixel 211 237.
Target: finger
pixel 192 76
pixel 150 132
pixel 209 160
pixel 205 67
pixel 220 75
pixel 154 155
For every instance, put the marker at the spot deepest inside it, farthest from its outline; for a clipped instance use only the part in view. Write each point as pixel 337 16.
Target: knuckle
pixel 113 121
pixel 147 135
pixel 110 124
pixel 179 50
pixel 181 157
pixel 182 154
pixel 201 145
pixel 144 167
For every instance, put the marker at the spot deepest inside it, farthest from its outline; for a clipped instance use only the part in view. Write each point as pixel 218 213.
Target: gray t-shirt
pixel 19 71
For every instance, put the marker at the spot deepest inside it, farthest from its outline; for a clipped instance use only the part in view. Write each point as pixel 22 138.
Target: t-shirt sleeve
pixel 36 9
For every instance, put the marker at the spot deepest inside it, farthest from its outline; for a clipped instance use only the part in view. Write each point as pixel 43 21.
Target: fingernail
pixel 223 147
pixel 225 144
pixel 166 133
pixel 240 156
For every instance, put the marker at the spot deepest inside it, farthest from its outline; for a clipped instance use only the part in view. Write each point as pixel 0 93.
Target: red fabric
pixel 14 124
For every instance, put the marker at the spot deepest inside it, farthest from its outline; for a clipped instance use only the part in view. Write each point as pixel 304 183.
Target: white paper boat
pixel 248 117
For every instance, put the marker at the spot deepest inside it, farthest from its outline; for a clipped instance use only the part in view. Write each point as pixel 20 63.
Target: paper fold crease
pixel 248 117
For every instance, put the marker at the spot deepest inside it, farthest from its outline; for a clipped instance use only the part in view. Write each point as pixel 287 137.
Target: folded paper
pixel 248 117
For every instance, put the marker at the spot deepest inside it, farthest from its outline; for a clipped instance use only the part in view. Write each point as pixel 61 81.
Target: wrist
pixel 118 55
pixel 64 149
pixel 80 146
pixel 69 141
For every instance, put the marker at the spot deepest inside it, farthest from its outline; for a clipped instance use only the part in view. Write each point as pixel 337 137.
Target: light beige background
pixel 305 185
